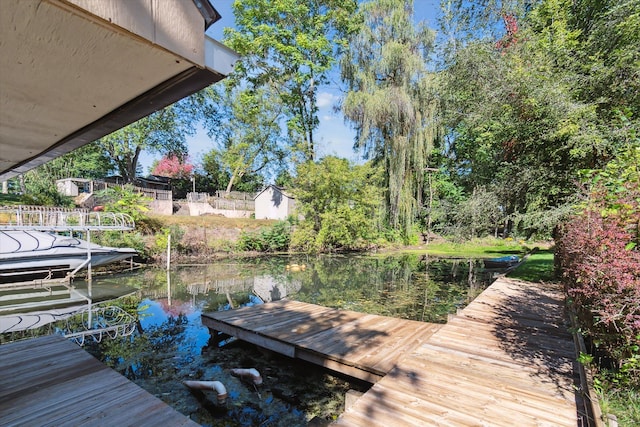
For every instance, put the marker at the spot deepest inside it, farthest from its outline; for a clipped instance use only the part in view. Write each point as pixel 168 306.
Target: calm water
pixel 172 345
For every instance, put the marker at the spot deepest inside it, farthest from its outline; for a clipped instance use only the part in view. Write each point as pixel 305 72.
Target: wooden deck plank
pixel 484 370
pixel 481 388
pixel 50 381
pixel 329 337
pixel 400 343
pixel 505 360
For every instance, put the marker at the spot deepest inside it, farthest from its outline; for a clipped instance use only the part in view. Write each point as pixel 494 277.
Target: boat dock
pixel 507 359
pixel 50 381
pixel 363 346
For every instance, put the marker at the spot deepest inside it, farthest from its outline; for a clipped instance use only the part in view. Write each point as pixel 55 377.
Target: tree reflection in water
pixel 172 346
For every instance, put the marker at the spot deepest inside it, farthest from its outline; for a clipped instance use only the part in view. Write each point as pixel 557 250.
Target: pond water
pixel 172 346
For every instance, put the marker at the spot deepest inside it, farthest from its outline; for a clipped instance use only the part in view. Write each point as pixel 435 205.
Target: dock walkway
pixel 508 359
pixel 50 381
pixel 363 346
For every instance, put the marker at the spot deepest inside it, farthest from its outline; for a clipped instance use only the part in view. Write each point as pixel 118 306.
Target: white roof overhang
pixel 72 71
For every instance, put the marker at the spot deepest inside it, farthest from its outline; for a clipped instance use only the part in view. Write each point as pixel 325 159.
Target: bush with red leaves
pixel 598 254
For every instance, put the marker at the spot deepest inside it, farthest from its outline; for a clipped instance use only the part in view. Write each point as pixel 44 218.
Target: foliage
pixel 124 199
pixel 10 200
pixel 273 239
pixel 525 115
pixel 161 241
pixel 599 257
pixel 217 175
pixel 480 214
pixel 249 137
pixel 288 46
pixel 339 203
pixel 623 402
pixel 38 186
pixel 121 239
pixel 173 166
pixel 162 132
pixel 42 193
pixel 304 238
pixel 391 101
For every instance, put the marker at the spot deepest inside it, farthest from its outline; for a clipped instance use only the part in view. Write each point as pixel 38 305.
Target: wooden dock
pixel 50 381
pixel 363 346
pixel 507 359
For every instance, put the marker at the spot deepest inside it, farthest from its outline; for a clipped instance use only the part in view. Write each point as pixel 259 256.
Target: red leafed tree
pixel 173 167
pixel 598 255
pixel 511 37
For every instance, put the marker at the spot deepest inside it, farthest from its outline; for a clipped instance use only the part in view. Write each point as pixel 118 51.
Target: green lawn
pixel 538 267
pixel 482 248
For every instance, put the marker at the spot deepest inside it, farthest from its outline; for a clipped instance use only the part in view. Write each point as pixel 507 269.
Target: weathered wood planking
pixel 50 381
pixel 365 346
pixel 507 359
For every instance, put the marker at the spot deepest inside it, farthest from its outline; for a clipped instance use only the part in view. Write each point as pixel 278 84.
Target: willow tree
pixel 390 100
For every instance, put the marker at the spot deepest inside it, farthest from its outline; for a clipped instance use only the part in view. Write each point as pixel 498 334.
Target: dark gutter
pixel 208 12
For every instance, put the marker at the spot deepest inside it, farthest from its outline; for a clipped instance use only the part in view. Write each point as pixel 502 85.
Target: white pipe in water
pixel 216 386
pixel 250 373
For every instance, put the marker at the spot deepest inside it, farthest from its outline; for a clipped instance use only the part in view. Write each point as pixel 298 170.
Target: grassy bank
pixel 475 248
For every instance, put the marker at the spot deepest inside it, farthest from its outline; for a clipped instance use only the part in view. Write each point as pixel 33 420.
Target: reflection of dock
pixel 364 346
pixel 51 381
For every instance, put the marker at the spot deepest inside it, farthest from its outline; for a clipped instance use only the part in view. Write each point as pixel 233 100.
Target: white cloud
pixel 326 99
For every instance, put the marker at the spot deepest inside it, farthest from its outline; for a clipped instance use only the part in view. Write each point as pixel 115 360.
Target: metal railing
pixel 62 219
pixel 98 323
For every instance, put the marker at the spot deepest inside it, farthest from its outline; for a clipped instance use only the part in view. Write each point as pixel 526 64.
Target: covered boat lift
pixel 73 71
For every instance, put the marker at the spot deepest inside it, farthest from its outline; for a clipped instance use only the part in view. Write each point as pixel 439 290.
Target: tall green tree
pixel 516 122
pixel 391 100
pixel 340 204
pixel 289 46
pixel 249 137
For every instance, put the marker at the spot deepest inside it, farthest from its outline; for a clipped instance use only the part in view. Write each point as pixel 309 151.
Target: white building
pixel 274 203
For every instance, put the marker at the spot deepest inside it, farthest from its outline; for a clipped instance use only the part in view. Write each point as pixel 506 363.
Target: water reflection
pixel 172 345
pixel 409 286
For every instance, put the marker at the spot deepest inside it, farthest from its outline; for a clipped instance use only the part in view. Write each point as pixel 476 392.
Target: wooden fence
pixel 234 201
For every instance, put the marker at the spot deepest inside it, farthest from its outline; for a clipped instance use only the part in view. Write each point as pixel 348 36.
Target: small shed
pixel 74 186
pixel 274 203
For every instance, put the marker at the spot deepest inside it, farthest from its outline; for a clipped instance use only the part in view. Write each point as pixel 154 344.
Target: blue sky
pixel 334 136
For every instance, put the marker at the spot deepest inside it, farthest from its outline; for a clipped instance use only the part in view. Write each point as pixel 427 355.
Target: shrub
pixel 303 238
pixel 273 239
pixel 162 239
pixel 597 254
pixel 124 200
pixel 345 228
pixel 119 239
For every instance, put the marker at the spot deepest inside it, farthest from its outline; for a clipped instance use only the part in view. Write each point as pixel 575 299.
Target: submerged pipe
pixel 216 386
pixel 249 373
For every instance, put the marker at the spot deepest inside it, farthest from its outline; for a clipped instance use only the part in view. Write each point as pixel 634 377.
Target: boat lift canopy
pixel 73 71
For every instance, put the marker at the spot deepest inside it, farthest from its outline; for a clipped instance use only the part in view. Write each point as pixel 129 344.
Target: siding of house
pixel 273 203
